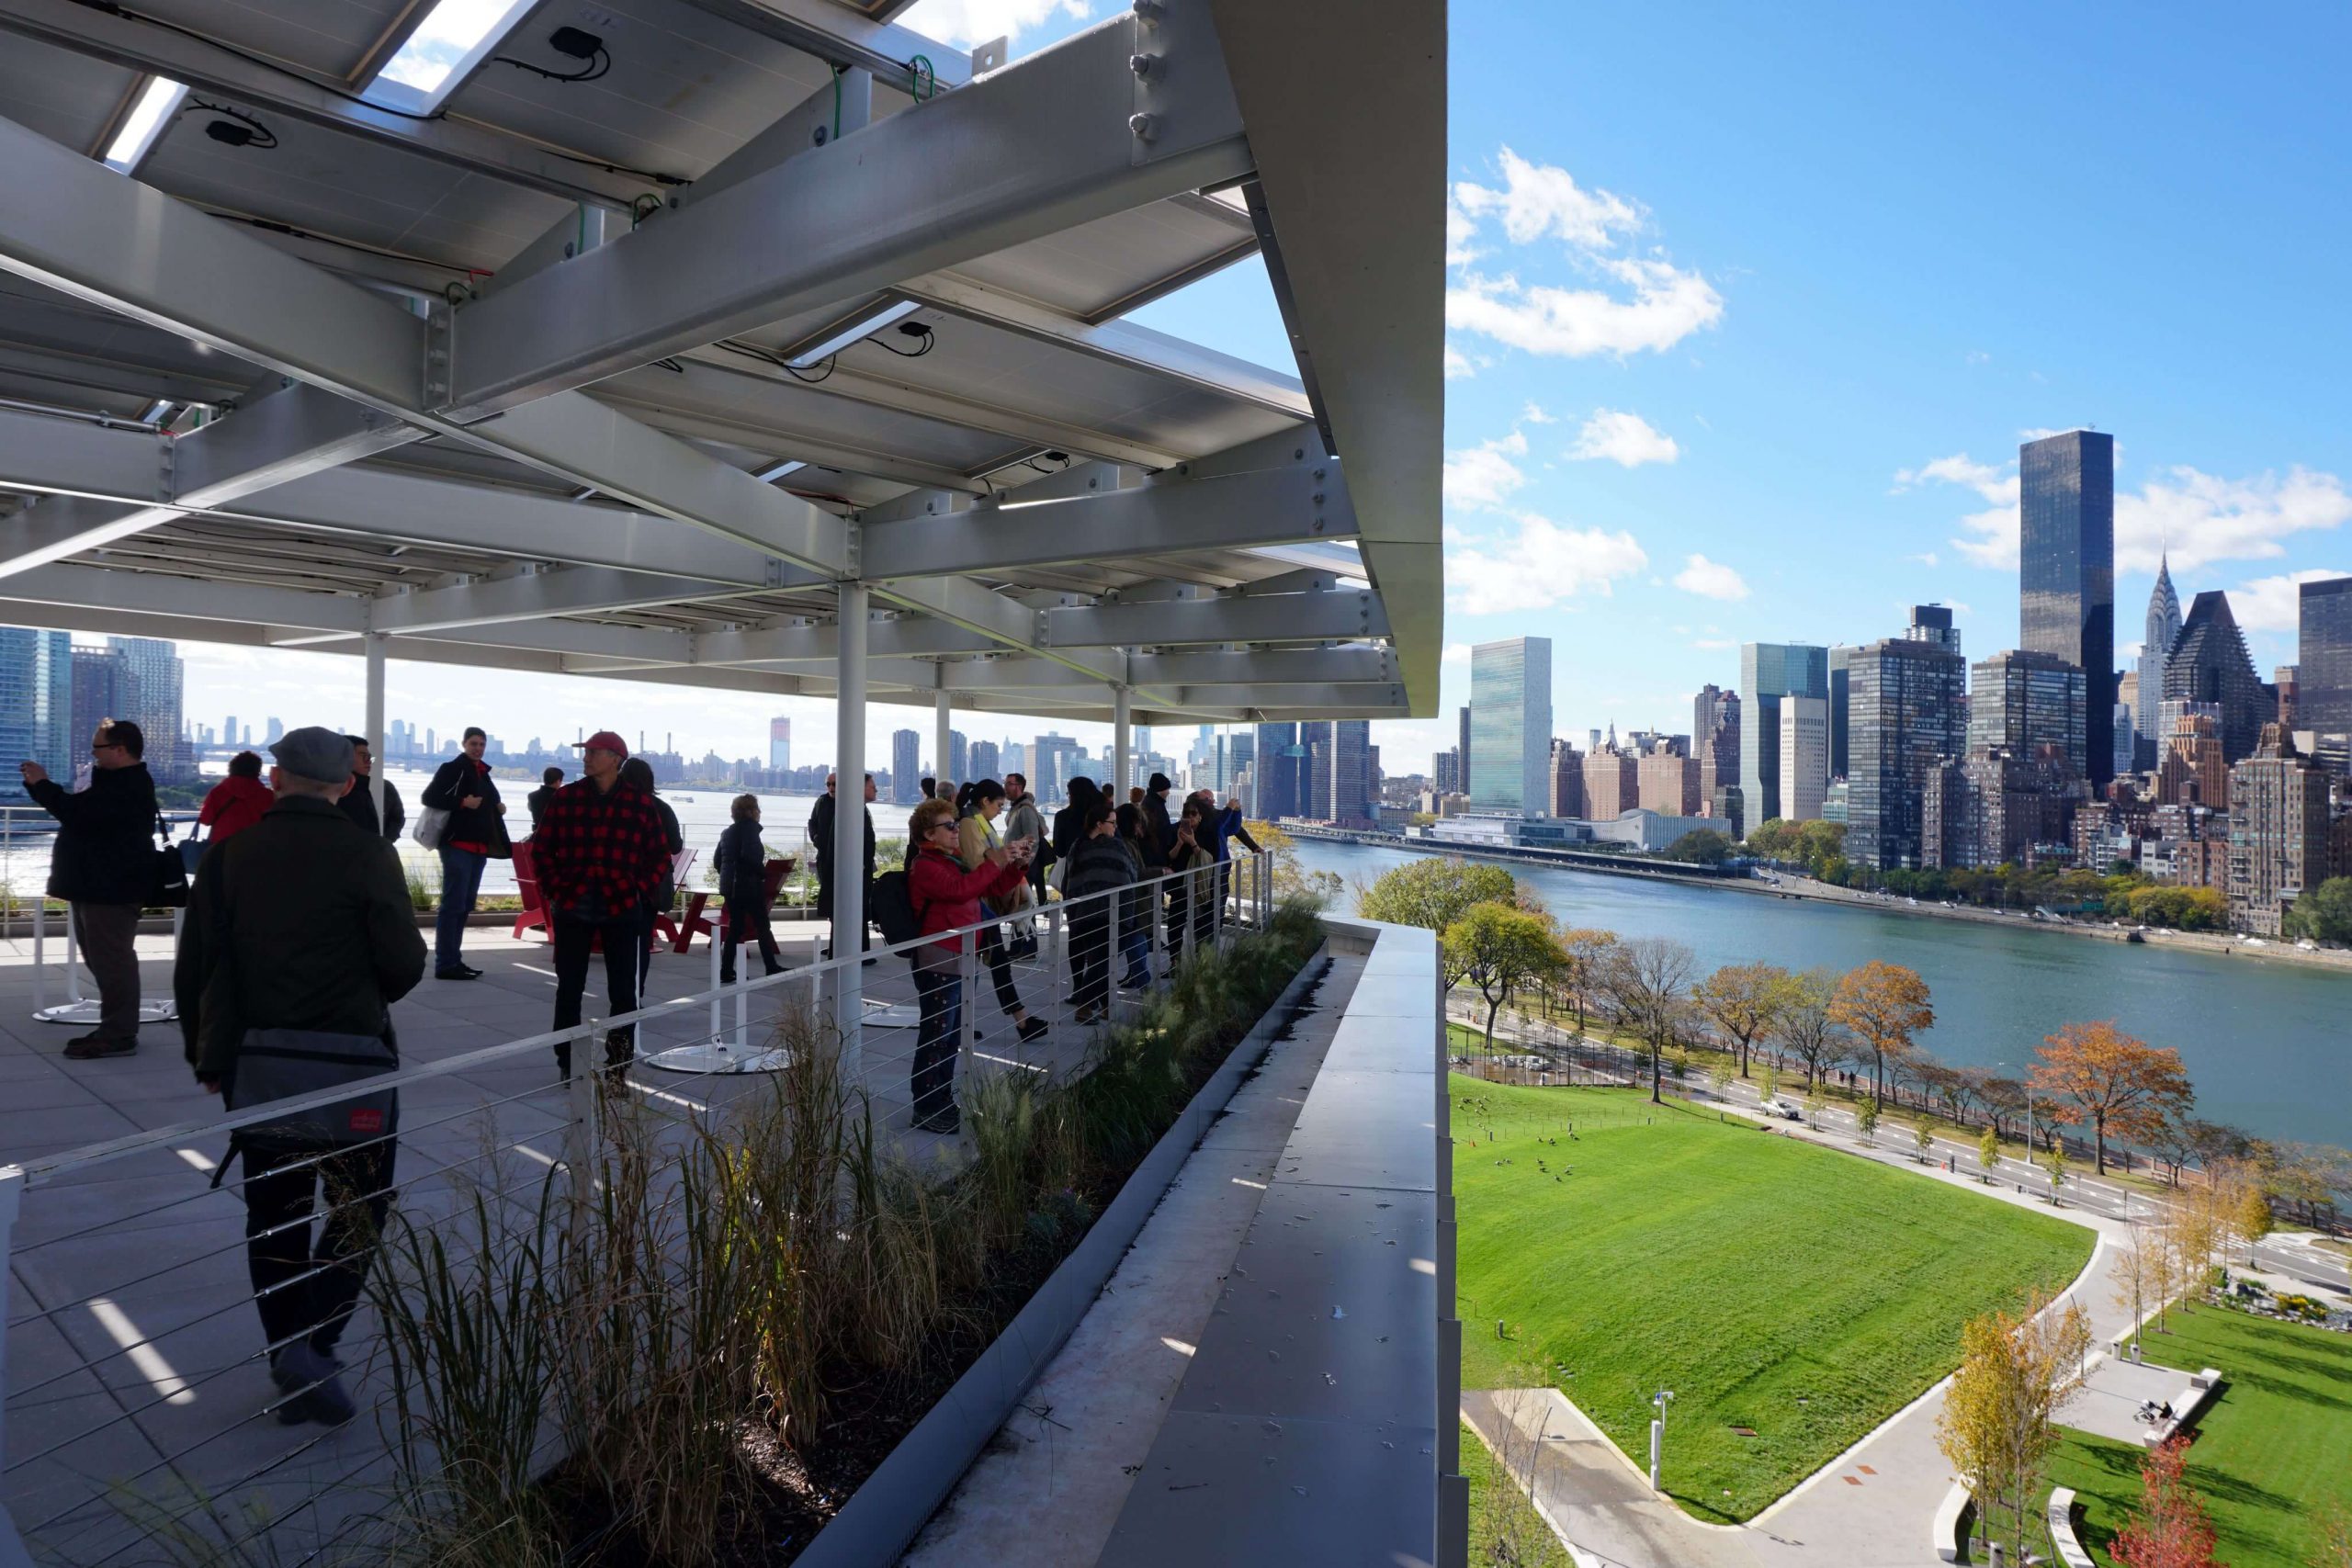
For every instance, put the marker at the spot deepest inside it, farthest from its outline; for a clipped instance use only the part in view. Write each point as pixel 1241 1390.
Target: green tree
pixel 1648 981
pixel 1583 951
pixel 1432 893
pixel 1866 1121
pixel 1702 846
pixel 1499 949
pixel 1924 1136
pixel 2325 914
pixel 1999 1419
pixel 1988 1152
pixel 1804 1023
pixel 2053 1161
pixel 1293 879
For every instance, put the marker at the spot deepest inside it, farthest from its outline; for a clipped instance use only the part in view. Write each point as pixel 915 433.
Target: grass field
pixel 1505 1529
pixel 2271 1460
pixel 1795 1291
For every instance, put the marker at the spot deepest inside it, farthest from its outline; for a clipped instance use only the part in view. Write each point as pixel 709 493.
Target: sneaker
pixel 1036 1029
pixel 314 1392
pixel 471 972
pixel 89 1047
pixel 461 972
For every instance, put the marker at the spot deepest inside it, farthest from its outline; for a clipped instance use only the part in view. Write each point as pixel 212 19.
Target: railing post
pixel 12 1185
pixel 717 1019
pixel 73 975
pixel 967 984
pixel 1155 924
pixel 1056 952
pixel 41 955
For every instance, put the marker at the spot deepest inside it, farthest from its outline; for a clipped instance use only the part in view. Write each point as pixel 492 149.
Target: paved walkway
pixel 1871 1506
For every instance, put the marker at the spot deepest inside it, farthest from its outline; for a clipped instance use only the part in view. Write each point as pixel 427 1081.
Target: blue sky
pixel 1751 312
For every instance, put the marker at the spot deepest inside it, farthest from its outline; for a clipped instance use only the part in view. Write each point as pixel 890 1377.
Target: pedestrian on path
pixel 104 864
pixel 359 801
pixel 600 852
pixel 298 937
pixel 473 835
pixel 820 843
pixel 238 801
pixel 742 865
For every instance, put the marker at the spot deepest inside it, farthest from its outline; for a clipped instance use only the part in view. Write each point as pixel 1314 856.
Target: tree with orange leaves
pixel 1885 1006
pixel 2172 1529
pixel 2095 1073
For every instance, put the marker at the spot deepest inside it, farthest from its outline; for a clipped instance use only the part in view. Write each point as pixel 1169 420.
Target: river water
pixel 2269 1045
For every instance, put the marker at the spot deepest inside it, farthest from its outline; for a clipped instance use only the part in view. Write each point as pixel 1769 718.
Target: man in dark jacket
pixel 474 835
pixel 820 845
pixel 359 803
pixel 302 921
pixel 600 852
pixel 103 863
pixel 550 781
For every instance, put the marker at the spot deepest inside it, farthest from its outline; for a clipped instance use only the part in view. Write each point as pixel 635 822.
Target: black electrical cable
pixel 262 140
pixel 109 8
pixel 928 338
pixel 752 351
pixel 598 66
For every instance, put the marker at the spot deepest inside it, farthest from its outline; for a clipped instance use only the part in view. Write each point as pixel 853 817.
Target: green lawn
pixel 1505 1529
pixel 2270 1459
pixel 1802 1292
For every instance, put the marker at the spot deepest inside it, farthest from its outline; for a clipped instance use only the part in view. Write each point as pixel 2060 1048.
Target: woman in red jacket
pixel 238 801
pixel 945 896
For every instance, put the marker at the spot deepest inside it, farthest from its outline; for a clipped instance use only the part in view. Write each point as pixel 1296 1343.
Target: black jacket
pixel 105 840
pixel 481 825
pixel 1158 827
pixel 742 861
pixel 301 922
pixel 821 838
pixel 1097 866
pixel 360 807
pixel 672 840
pixel 536 803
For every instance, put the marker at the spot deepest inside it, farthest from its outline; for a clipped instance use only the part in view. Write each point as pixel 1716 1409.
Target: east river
pixel 2268 1045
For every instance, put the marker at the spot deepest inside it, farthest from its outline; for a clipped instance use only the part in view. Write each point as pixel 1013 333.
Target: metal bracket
pixel 166 484
pixel 1182 97
pixel 853 551
pixel 440 355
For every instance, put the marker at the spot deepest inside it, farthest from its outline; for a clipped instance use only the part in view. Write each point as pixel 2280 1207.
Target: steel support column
pixel 373 729
pixel 942 721
pixel 1122 743
pixel 849 822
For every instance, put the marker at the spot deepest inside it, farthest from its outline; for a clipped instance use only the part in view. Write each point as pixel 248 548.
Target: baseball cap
pixel 604 740
pixel 314 752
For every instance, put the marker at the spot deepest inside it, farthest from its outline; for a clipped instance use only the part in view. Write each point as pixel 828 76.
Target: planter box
pixel 885 1513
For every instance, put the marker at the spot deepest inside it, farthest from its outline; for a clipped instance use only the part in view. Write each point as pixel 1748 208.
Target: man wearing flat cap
pixel 300 928
pixel 600 851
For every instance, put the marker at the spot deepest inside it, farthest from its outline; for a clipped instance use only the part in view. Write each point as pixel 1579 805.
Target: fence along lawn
pixel 1789 1290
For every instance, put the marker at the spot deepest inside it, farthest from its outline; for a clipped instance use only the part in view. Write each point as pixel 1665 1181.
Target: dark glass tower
pixel 2323 658
pixel 2208 663
pixel 2066 569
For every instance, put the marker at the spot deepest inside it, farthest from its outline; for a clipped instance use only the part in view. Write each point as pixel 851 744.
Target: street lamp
pixel 2027 1079
pixel 1663 1398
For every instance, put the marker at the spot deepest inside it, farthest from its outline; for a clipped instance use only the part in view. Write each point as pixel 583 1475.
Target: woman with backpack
pixel 1099 867
pixel 945 896
pixel 742 865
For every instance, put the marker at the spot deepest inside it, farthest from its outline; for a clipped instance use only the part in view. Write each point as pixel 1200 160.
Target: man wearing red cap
pixel 600 855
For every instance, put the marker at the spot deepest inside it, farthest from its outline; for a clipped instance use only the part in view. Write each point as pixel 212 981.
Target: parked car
pixel 1781 1109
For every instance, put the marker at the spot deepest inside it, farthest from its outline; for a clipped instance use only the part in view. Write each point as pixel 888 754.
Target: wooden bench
pixel 664 927
pixel 2186 1405
pixel 695 922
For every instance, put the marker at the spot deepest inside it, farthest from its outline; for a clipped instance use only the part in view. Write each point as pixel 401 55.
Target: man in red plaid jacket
pixel 599 852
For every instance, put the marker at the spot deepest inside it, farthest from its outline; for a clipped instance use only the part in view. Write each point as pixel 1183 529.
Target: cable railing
pixel 145 1419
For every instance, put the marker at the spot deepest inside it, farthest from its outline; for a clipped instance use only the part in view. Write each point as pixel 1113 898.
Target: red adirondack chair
pixel 535 912
pixel 696 923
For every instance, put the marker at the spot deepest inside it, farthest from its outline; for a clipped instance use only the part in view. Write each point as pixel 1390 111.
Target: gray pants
pixel 106 932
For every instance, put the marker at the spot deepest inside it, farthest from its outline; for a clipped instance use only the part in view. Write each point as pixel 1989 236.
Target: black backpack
pixel 889 904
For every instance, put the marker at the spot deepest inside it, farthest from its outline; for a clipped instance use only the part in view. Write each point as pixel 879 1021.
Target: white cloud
pixel 1485 475
pixel 1533 414
pixel 1538 566
pixel 2203 518
pixel 1925 557
pixel 1710 580
pixel 1455 654
pixel 971 22
pixel 1537 199
pixel 1667 305
pixel 1461 229
pixel 1457 364
pixel 1625 439
pixel 2273 604
pixel 2200 518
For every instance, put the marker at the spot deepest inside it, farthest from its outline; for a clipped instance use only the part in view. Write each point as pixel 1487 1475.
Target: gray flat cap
pixel 314 752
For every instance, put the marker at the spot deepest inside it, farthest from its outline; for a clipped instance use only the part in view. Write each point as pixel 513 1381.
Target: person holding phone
pixel 981 802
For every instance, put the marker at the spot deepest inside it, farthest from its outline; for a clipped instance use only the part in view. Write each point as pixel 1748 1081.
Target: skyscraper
pixel 906 767
pixel 1352 792
pixel 1511 726
pixel 2323 657
pixel 985 760
pixel 1932 623
pixel 1907 715
pixel 1567 780
pixel 1804 756
pixel 2067 570
pixel 147 692
pixel 1769 671
pixel 2279 831
pixel 2208 663
pixel 1052 758
pixel 780 745
pixel 1462 750
pixel 36 706
pixel 1839 659
pixel 957 763
pixel 2155 645
pixel 1278 771
pixel 2031 705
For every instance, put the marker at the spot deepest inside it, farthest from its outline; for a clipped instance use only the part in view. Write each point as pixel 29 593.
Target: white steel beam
pixel 834 32
pixel 1006 620
pixel 91 31
pixel 1368 702
pixel 533 596
pixel 1355 665
pixel 1342 616
pixel 1031 150
pixel 1268 507
pixel 1114 342
pixel 158 593
pixel 900 638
